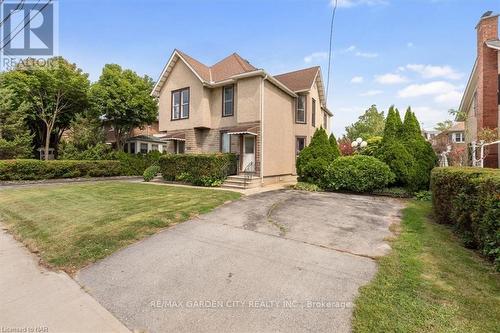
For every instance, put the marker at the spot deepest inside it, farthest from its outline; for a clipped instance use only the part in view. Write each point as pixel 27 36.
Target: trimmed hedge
pixel 198 169
pixel 38 170
pixel 469 200
pixel 357 173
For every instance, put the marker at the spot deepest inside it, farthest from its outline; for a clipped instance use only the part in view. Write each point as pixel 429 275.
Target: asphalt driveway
pixel 282 261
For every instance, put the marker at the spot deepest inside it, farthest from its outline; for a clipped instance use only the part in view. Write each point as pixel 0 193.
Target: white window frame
pixel 224 149
pixel 458 137
pixel 297 110
pixel 181 107
pixel 224 101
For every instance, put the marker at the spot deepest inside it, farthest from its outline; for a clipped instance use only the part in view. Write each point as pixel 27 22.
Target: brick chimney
pixel 487 84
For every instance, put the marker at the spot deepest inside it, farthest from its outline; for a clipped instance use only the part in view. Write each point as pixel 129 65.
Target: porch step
pixel 239 182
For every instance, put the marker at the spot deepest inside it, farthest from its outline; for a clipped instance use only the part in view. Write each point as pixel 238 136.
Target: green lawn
pixel 429 283
pixel 73 225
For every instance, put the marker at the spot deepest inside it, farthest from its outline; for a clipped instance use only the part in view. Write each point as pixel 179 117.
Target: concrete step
pixel 239 182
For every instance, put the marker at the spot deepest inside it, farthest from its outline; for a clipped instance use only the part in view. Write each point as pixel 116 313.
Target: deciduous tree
pixel 369 124
pixel 54 95
pixel 123 99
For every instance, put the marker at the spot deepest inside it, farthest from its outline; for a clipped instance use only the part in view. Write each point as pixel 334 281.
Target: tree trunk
pixel 47 142
pixel 118 138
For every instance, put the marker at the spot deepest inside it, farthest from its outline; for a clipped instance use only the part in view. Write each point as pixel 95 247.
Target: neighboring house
pixel 453 137
pixel 429 135
pixel 232 106
pixel 141 140
pixel 481 99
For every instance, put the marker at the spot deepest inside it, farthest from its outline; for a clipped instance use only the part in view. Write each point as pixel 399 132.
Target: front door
pixel 248 153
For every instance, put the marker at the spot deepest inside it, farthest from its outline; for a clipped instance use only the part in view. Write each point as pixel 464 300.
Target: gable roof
pixel 222 70
pixel 300 80
pixel 200 69
pixel 303 80
pixel 229 66
pixel 459 126
pixel 234 67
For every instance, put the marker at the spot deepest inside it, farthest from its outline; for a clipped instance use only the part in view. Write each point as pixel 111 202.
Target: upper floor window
pixel 325 121
pixel 300 112
pixel 180 104
pixel 458 137
pixel 313 112
pixel 228 101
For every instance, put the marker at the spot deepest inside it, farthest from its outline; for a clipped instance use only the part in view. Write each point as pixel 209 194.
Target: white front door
pixel 248 153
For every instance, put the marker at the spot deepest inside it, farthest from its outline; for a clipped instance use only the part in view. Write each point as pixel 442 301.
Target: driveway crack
pixel 275 223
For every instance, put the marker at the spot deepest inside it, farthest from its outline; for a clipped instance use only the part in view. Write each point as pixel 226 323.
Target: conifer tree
pixel 334 144
pixel 313 159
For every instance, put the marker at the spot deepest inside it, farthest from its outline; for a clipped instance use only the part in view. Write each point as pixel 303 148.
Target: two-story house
pixel 232 106
pixel 481 99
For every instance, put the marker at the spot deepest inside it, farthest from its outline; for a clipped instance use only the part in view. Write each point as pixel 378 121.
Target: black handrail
pixel 248 172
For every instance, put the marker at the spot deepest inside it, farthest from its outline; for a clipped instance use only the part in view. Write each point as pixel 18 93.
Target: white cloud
pixel 354 3
pixel 372 93
pixel 357 79
pixel 430 116
pixel 451 98
pixel 359 53
pixel 426 89
pixel 410 45
pixel 366 54
pixel 349 49
pixel 315 57
pixel 431 72
pixel 390 79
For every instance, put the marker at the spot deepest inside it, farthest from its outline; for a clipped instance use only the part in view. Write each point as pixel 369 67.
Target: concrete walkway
pixel 33 299
pixel 282 261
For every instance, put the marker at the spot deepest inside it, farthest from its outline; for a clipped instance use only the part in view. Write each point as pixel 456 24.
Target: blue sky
pixel 415 53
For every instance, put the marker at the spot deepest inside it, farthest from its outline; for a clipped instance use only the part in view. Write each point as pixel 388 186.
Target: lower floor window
pixel 180 147
pixel 225 144
pixel 132 147
pixel 300 143
pixel 125 147
pixel 144 148
pixel 154 147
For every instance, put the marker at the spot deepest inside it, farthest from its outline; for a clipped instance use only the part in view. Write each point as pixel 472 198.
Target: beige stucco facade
pixel 263 107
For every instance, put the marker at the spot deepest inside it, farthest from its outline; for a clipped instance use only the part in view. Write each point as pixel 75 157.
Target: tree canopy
pixel 52 95
pixel 369 124
pixel 123 99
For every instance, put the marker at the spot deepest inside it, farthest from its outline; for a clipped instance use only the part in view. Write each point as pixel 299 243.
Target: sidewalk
pixel 34 299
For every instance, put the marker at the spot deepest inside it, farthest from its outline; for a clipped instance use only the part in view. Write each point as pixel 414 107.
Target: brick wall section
pixel 209 141
pixel 487 85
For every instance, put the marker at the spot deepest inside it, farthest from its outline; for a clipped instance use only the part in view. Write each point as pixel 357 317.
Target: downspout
pixel 262 130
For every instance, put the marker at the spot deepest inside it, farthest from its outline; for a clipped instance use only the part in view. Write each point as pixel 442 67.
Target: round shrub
pixel 357 174
pixel 151 172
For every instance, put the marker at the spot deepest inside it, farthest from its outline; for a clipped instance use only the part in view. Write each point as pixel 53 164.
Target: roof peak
pixel 299 70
